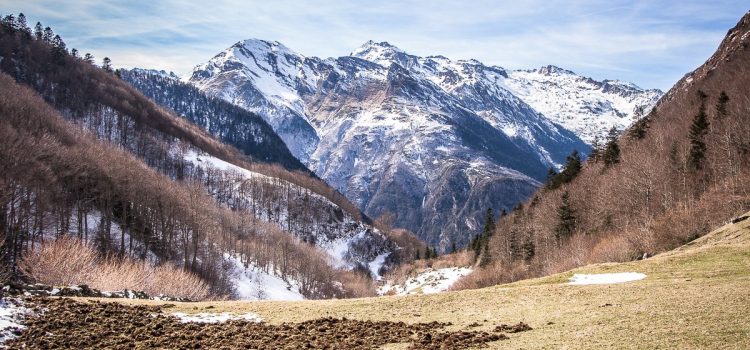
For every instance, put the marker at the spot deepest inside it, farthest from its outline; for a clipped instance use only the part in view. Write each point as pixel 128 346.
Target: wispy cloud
pixel 652 43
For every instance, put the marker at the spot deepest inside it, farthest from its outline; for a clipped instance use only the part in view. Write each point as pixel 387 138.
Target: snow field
pixel 605 278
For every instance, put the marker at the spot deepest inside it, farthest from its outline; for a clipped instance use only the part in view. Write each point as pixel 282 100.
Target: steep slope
pixel 583 105
pixel 236 126
pixel 681 171
pixel 391 138
pixel 265 78
pixel 264 199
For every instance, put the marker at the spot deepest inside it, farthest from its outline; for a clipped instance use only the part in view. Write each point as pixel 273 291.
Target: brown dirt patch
pixel 66 323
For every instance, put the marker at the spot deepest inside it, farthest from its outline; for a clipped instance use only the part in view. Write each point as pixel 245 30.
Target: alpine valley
pixel 431 140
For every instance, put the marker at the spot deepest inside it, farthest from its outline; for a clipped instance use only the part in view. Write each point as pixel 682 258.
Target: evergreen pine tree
pixel 88 58
pixel 514 245
pixel 486 259
pixel 9 22
pixel 489 223
pixel 416 255
pixel 528 249
pixel 48 35
pixel 478 246
pixel 721 105
pixel 566 218
pixel 698 130
pixel 21 24
pixel 59 44
pixel 453 247
pixel 107 64
pixel 640 127
pixel 596 150
pixel 573 166
pixel 38 31
pixel 611 154
pixel 551 179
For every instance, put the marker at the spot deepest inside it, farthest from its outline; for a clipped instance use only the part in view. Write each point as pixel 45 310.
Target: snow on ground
pixel 253 284
pixel 216 317
pixel 427 282
pixel 376 265
pixel 205 160
pixel 605 278
pixel 11 314
pixel 337 249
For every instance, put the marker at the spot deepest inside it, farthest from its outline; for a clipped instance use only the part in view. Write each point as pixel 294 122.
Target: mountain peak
pixel 383 53
pixel 550 70
pixel 371 44
pixel 260 45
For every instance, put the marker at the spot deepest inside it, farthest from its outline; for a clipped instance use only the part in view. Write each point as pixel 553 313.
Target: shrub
pixel 68 261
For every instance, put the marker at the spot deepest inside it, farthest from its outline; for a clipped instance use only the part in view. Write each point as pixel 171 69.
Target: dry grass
pixel 693 297
pixel 68 261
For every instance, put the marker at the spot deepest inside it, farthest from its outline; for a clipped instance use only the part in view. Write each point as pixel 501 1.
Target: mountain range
pixel 432 140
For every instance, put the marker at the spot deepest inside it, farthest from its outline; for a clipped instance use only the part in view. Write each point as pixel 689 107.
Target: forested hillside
pixel 671 177
pixel 233 125
pixel 90 156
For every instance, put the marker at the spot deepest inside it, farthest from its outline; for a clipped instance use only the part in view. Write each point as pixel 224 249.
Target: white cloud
pixel 649 42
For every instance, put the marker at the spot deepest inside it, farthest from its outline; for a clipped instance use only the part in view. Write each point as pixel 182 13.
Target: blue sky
pixel 650 43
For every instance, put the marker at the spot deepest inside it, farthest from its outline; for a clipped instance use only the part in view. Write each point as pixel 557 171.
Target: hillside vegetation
pixel 88 156
pixel 668 179
pixel 691 298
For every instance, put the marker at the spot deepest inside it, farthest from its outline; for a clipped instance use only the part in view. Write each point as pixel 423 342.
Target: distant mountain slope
pixel 265 78
pixel 233 125
pixel 583 105
pixel 395 137
pixel 680 171
pixel 146 179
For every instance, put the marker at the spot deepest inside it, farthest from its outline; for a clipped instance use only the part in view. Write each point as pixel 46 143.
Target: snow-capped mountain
pixel 583 105
pixel 234 125
pixel 311 217
pixel 432 140
pixel 265 78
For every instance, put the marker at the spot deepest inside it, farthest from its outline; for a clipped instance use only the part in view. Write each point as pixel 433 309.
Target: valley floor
pixel 697 296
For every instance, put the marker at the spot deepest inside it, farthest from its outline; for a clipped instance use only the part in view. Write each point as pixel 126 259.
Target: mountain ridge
pixel 342 116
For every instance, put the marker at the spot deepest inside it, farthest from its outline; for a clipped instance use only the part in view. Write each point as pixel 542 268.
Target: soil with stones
pixel 66 323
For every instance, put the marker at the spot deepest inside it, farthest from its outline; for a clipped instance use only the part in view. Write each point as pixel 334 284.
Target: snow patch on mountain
pixel 583 105
pixel 251 283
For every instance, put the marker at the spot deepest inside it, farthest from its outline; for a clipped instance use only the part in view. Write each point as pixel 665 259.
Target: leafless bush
pixel 492 275
pixel 68 261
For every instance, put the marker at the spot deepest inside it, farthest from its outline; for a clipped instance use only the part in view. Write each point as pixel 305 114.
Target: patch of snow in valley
pixel 429 281
pixel 11 314
pixel 252 283
pixel 376 265
pixel 215 317
pixel 605 278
